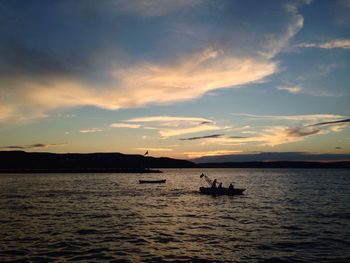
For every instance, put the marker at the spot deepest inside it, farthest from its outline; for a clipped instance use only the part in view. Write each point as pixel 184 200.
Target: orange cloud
pixel 195 129
pixel 143 84
pixel 91 130
pixel 276 135
pixel 169 126
pixel 302 117
pixel 125 125
pixel 190 77
pixel 170 120
pixel 209 153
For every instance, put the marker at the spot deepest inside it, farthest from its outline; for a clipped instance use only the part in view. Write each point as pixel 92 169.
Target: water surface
pixel 286 215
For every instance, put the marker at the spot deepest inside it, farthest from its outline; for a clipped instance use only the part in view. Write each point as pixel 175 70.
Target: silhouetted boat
pixel 221 191
pixel 152 181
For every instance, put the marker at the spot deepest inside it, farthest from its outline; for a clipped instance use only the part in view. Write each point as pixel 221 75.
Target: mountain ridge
pixel 45 162
pixel 21 161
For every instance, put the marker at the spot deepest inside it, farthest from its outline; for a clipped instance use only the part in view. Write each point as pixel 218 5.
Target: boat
pixel 162 181
pixel 221 191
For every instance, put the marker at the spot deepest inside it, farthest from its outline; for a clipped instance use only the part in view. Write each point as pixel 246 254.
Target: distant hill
pixel 274 157
pixel 20 161
pixel 279 164
pixel 275 160
pixel 36 162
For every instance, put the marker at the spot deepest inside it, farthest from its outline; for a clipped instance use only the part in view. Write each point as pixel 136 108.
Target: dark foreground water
pixel 284 216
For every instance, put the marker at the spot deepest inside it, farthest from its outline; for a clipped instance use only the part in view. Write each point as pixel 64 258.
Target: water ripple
pixel 285 216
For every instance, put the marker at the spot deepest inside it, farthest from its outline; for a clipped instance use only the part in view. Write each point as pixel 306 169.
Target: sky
pixel 184 79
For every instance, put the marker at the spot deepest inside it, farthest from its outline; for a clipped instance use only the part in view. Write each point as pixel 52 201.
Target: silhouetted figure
pixel 214 184
pixel 231 186
pixel 220 185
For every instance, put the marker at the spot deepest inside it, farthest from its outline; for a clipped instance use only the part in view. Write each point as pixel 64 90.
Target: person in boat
pixel 230 187
pixel 214 184
pixel 220 185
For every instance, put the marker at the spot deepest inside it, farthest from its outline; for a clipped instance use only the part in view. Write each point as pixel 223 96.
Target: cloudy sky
pixel 185 78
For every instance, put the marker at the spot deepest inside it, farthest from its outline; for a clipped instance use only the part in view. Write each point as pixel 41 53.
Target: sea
pixel 285 215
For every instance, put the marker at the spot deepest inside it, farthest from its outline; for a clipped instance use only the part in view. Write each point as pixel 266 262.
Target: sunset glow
pixel 182 79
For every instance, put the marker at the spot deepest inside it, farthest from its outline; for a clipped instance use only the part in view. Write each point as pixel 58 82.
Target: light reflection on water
pixel 285 215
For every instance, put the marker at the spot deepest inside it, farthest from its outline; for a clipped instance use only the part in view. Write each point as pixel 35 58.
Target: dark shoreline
pixel 41 162
pixel 146 171
pixel 102 170
pixel 279 165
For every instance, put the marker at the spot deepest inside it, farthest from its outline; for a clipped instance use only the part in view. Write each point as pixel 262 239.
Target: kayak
pixel 152 181
pixel 221 191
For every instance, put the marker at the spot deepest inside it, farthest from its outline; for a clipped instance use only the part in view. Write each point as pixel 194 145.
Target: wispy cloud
pixel 335 43
pixel 237 137
pixel 91 130
pixel 171 121
pixel 125 125
pixel 112 72
pixel 275 43
pixel 270 136
pixel 345 121
pixel 197 154
pixel 277 134
pixel 301 131
pixel 302 117
pixel 339 148
pixel 291 89
pixel 186 78
pixel 169 126
pixel 201 137
pixel 195 129
pixel 31 146
pixel 190 76
pixel 297 89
